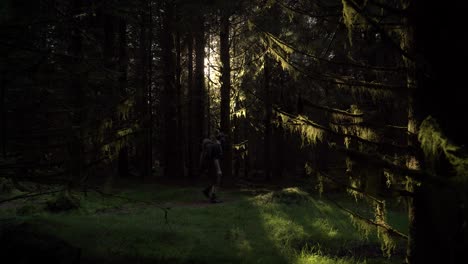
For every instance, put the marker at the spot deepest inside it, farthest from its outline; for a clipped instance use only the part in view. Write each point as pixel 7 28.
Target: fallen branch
pixel 28 195
pixel 165 209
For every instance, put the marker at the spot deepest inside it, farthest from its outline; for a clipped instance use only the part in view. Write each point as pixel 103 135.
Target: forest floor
pixel 154 223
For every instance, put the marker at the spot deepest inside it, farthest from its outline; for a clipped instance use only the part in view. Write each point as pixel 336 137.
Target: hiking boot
pixel 214 199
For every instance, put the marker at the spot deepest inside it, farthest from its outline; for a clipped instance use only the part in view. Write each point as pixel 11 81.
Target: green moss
pixel 292 195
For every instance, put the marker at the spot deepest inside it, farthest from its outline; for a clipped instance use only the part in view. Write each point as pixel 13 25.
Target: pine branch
pixel 379 160
pixel 385 36
pixel 396 148
pixel 306 13
pixel 390 9
pixel 333 80
pixel 331 110
pixel 361 191
pixel 385 226
pixel 349 64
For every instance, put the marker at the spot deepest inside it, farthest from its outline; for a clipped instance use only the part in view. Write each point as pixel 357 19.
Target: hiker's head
pixel 220 136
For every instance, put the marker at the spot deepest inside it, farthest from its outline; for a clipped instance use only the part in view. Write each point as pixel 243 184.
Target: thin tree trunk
pixel 199 89
pixel 3 129
pixel 149 150
pixel 123 57
pixel 190 115
pixel 226 97
pixel 141 96
pixel 169 93
pixel 123 82
pixel 75 145
pixel 180 123
pixel 208 91
pixel 267 120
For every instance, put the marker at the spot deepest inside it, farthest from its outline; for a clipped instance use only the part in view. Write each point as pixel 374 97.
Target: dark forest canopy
pixel 364 97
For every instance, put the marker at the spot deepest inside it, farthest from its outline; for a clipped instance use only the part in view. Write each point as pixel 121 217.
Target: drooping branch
pixel 396 148
pixel 385 226
pixel 314 57
pixel 337 80
pixel 385 36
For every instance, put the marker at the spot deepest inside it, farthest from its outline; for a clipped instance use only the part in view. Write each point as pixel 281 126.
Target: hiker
pixel 210 158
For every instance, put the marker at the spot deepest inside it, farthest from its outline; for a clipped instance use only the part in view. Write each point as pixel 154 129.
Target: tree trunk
pixel 3 121
pixel 226 98
pixel 180 120
pixel 435 213
pixel 423 245
pixel 198 91
pixel 267 120
pixel 142 146
pixel 123 57
pixel 75 145
pixel 123 82
pixel 169 94
pixel 190 115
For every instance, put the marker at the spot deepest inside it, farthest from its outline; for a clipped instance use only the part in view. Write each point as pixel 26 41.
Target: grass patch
pixel 287 226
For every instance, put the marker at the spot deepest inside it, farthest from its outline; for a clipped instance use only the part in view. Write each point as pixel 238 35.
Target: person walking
pixel 210 158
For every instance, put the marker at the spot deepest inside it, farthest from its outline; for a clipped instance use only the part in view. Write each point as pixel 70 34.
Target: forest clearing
pixel 250 226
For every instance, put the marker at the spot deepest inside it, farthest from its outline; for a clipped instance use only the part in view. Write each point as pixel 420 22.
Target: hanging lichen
pixel 125 108
pixel 364 227
pixel 281 53
pixel 302 126
pixel 435 144
pixel 388 243
pixel 352 19
pixel 250 25
pixel 389 178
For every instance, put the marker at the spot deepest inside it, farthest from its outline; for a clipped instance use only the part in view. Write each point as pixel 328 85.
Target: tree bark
pixel 142 145
pixel 180 120
pixel 75 144
pixel 169 94
pixel 198 110
pixel 267 120
pixel 190 123
pixel 226 97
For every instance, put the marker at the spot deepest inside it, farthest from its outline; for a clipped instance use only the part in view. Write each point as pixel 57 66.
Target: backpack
pixel 216 150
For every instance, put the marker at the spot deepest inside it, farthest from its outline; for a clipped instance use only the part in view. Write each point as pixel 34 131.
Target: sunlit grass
pixel 244 229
